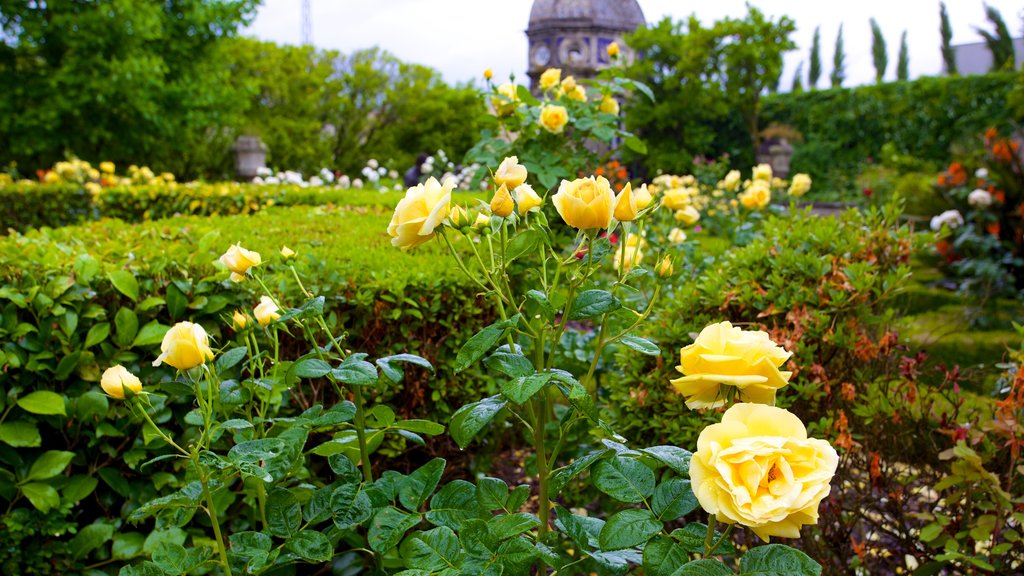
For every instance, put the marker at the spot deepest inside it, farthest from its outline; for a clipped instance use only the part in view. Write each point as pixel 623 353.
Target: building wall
pixel 976 58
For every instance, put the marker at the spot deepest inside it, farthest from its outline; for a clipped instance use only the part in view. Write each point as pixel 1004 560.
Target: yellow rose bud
pixel 676 236
pixel 550 78
pixel 239 320
pixel 107 167
pixel 458 217
pixel 758 468
pixel 239 260
pixel 482 222
pixel 488 74
pixel 726 355
pixel 585 203
pixel 634 253
pixel 643 197
pixel 800 185
pixel 553 118
pixel 116 379
pixel 609 105
pixel 665 268
pixel 185 346
pixel 568 84
pixel 688 215
pixel 625 205
pixel 613 49
pixel 423 209
pixel 502 204
pixel 287 252
pixel 526 199
pixel 505 106
pixel 266 311
pixel 578 93
pixel 510 172
pixel 763 172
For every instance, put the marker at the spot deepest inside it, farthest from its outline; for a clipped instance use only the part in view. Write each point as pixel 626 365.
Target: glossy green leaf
pixel 90 538
pixel 388 527
pixel 311 546
pixel 628 528
pixel 43 496
pixel 433 550
pixel 625 479
pixel 20 434
pixel 704 567
pixel 520 390
pixel 482 342
pixel 663 556
pixel 593 303
pixel 43 402
pixel 467 421
pixel 350 506
pixel 673 499
pixel 641 345
pixel 420 485
pixel 125 283
pixel 49 464
pixel 777 560
pixel 284 513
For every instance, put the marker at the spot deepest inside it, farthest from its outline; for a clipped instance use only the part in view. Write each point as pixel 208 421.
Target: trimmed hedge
pixel 846 127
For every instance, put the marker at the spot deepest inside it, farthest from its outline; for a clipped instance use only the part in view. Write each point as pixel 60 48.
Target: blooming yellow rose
pixel 550 78
pixel 665 269
pixel 553 118
pixel 609 105
pixel 634 253
pixel 688 215
pixel 505 106
pixel 239 320
pixel 726 355
pixel 613 49
pixel 679 198
pixel 116 379
pixel 568 84
pixel 107 167
pixel 93 188
pixel 585 203
pixel 626 205
pixel 800 185
pixel 510 172
pixel 526 198
pixel 757 196
pixel 266 311
pixel 763 172
pixel 185 346
pixel 502 204
pixel 732 180
pixel 488 74
pixel 676 236
pixel 238 260
pixel 578 93
pixel 287 252
pixel 423 209
pixel 758 468
pixel 643 197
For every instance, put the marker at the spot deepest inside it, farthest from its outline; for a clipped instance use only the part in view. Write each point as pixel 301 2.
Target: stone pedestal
pixel 250 156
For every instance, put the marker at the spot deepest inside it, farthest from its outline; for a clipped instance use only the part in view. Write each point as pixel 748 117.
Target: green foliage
pixel 838 74
pixel 999 41
pixel 797 85
pixel 814 71
pixel 946 32
pixel 903 60
pixel 879 56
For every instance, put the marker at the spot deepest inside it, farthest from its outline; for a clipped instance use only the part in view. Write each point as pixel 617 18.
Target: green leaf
pixel 176 301
pixel 454 504
pixel 930 532
pixel 388 527
pixel 511 365
pixel 152 333
pixel 635 144
pixel 628 528
pixel 663 556
pixel 309 309
pixel 476 347
pixel 97 333
pixel 673 499
pixel 491 493
pixel 509 525
pixel 433 550
pixel 418 486
pixel 43 402
pixel 677 459
pixel 67 365
pixel 174 559
pixel 563 475
pixel 625 479
pixel 640 345
pixel 284 513
pixel 522 389
pixel 51 463
pixel 231 358
pixel 355 371
pixel 91 405
pixel 583 530
pixel 20 434
pixel 125 283
pixel 394 373
pixel 467 421
pixel 350 506
pixel 592 303
pixel 126 324
pixel 77 488
pixel 127 545
pixel 420 426
pixel 312 368
pixel 540 301
pixel 524 243
pixel 90 538
pixel 43 496
pixel 705 567
pixel 117 482
pixel 777 560
pixel 311 546
pixel 161 536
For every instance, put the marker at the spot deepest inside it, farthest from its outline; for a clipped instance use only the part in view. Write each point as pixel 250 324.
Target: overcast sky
pixel 463 37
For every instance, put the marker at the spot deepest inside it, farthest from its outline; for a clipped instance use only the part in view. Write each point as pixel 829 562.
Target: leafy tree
pixel 946 31
pixel 999 41
pixel 798 85
pixel 133 81
pixel 903 63
pixel 838 61
pixel 879 55
pixel 814 73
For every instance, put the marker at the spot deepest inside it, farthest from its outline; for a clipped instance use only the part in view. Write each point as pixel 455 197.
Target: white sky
pixel 463 37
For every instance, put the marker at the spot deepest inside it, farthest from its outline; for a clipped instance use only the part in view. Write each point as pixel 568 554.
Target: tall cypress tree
pixel 879 55
pixel 999 41
pixel 798 84
pixel 903 64
pixel 838 62
pixel 946 30
pixel 814 73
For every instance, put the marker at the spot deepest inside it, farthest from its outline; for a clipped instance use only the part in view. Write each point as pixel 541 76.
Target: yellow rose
pixel 423 209
pixel 266 311
pixel 585 203
pixel 758 468
pixel 676 236
pixel 688 215
pixel 116 379
pixel 505 106
pixel 550 78
pixel 578 93
pixel 643 197
pixel 51 178
pixel 634 253
pixel 488 74
pixel 763 172
pixel 185 346
pixel 609 105
pixel 458 217
pixel 677 198
pixel 553 118
pixel 510 172
pixel 482 222
pixel 757 196
pixel 800 185
pixel 93 188
pixel 613 49
pixel 626 205
pixel 502 203
pixel 239 320
pixel 568 84
pixel 107 167
pixel 526 198
pixel 287 252
pixel 726 355
pixel 238 260
pixel 665 269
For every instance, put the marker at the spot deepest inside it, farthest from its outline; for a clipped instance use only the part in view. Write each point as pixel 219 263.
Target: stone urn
pixel 776 152
pixel 250 156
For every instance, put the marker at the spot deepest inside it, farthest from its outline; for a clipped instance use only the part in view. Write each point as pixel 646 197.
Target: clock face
pixel 542 55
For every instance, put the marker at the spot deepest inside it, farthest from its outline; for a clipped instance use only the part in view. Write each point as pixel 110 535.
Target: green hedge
pixel 844 128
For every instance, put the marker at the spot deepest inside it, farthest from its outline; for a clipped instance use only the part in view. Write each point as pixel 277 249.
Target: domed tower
pixel 574 34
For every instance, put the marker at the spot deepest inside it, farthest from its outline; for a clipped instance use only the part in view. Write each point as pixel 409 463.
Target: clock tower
pixel 574 34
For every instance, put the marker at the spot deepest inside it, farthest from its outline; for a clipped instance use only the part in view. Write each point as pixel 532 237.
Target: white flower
pixel 357 183
pixel 292 177
pixel 257 180
pixel 393 174
pixel 272 180
pixel 326 175
pixel 316 181
pixel 429 160
pixel 950 219
pixel 981 173
pixel 398 187
pixel 979 198
pixel 426 167
pixel 344 181
pixel 372 163
pixel 263 172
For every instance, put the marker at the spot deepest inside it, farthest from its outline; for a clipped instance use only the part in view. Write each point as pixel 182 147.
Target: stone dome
pixel 621 15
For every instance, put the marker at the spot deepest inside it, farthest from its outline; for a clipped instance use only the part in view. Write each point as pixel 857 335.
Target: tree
pixel 798 85
pixel 879 55
pixel 946 31
pixel 999 41
pixel 903 63
pixel 838 61
pixel 814 73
